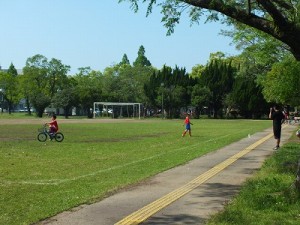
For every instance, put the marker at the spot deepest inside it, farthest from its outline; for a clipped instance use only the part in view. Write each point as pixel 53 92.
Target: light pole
pixel 162 100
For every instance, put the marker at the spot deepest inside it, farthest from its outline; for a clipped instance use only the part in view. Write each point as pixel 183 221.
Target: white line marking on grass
pixel 60 181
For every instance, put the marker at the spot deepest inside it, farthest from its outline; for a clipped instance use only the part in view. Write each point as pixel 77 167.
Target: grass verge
pixel 270 197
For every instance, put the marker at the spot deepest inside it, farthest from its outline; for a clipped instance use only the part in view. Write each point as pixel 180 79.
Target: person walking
pixel 187 123
pixel 278 118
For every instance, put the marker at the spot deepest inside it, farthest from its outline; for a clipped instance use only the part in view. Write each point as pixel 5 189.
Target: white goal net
pixel 117 109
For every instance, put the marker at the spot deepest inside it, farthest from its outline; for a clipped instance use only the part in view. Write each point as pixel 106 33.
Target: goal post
pixel 108 108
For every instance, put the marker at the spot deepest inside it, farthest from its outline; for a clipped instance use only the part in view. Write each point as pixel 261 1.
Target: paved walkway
pixel 187 194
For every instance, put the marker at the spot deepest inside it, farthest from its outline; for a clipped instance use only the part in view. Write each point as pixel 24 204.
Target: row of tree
pixel 45 83
pixel 244 83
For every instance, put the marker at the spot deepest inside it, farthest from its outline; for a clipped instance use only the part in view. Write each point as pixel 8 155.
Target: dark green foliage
pixel 282 83
pixel 125 60
pixel 170 87
pixel 248 97
pixel 88 88
pixel 218 76
pixel 66 99
pixel 125 83
pixel 41 81
pixel 8 85
pixel 141 59
pixel 57 75
pixel 201 97
pixel 40 102
pixel 12 70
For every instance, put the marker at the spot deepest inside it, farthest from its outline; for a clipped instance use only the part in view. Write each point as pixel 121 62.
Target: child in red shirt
pixel 53 126
pixel 187 124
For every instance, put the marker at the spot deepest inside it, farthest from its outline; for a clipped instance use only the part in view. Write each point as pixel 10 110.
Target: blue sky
pixel 97 33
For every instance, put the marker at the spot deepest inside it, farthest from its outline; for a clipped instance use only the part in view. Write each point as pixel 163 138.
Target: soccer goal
pixel 117 109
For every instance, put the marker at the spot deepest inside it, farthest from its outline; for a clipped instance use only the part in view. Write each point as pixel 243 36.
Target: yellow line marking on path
pixel 144 213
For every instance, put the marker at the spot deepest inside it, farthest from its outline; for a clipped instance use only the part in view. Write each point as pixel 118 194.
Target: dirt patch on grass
pixel 67 121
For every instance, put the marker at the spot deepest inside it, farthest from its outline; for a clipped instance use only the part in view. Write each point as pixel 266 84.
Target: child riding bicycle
pixel 53 125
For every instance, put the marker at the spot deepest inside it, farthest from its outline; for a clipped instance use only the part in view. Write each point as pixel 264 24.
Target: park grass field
pixel 97 158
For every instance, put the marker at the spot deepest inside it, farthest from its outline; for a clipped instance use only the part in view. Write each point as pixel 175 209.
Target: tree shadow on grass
pixel 216 194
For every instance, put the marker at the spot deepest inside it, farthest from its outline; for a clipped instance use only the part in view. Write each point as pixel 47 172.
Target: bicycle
pixel 44 133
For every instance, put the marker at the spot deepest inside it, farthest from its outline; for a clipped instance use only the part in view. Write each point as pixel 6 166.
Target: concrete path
pixel 187 194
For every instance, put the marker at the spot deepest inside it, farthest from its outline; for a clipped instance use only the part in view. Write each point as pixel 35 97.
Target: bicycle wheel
pixel 59 137
pixel 42 137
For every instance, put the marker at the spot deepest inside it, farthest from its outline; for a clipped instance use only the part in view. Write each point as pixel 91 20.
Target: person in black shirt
pixel 278 118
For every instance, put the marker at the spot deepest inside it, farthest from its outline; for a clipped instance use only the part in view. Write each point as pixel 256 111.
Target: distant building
pixel 3 70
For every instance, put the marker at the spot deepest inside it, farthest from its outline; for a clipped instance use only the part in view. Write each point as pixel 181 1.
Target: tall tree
pixel 278 18
pixel 124 83
pixel 67 97
pixel 141 59
pixel 111 84
pixel 12 70
pixel 125 60
pixel 9 87
pixel 283 89
pixel 36 80
pixel 169 89
pixel 247 97
pixel 57 74
pixel 218 76
pixel 260 52
pixel 43 79
pixel 201 97
pixel 89 88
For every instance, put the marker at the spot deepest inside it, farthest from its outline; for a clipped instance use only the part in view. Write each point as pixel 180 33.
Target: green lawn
pixel 39 180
